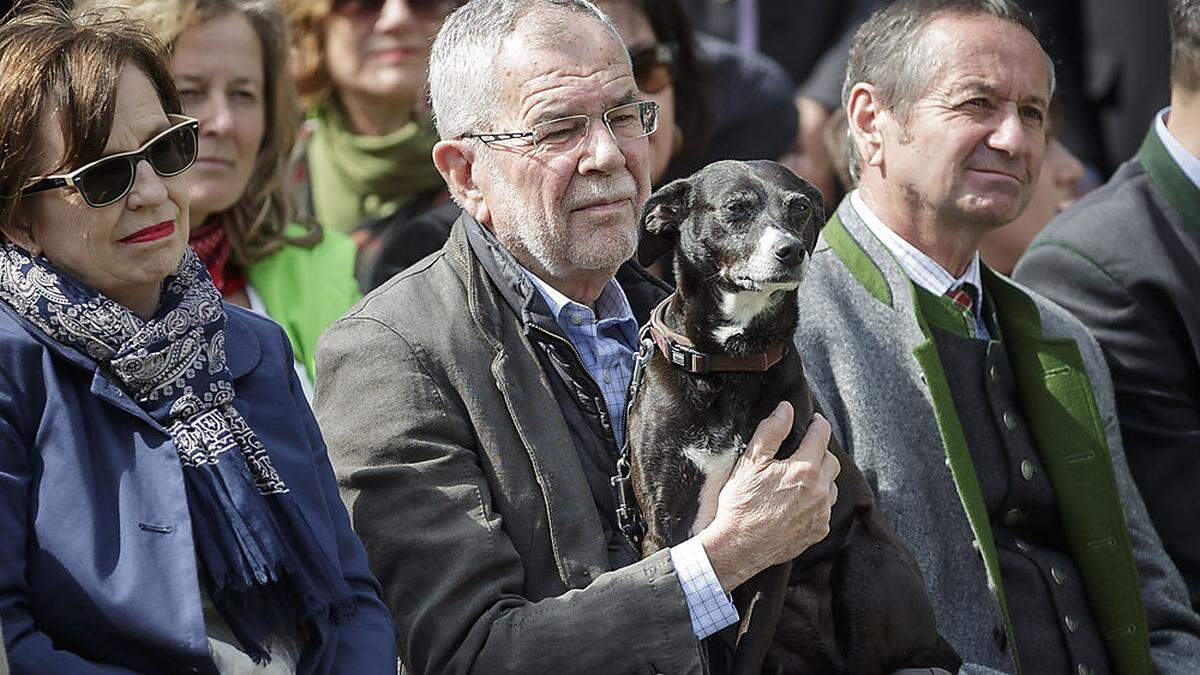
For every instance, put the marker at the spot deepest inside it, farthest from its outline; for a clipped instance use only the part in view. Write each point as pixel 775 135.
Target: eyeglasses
pixel 654 66
pixel 108 179
pixel 625 123
pixel 362 8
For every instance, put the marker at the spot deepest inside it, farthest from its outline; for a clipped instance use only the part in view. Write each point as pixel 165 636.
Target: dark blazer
pixel 466 487
pixel 97 565
pixel 1125 260
pixel 750 105
pixel 809 38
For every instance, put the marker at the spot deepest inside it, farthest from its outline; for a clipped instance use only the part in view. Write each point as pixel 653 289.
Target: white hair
pixel 463 86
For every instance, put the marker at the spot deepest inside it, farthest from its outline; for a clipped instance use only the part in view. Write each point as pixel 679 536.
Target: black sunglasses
pixel 108 179
pixel 365 7
pixel 654 66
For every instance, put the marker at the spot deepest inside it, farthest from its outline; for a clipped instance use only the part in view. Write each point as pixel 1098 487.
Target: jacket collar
pixel 642 290
pixel 1180 192
pixel 883 277
pixel 495 286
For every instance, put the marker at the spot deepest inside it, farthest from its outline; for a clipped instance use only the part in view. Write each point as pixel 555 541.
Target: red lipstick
pixel 156 231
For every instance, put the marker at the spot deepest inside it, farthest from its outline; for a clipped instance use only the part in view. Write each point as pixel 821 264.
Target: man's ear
pixel 455 160
pixel 661 218
pixel 864 112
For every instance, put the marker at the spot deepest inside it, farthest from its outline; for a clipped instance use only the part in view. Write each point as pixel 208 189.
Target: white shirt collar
pixel 1186 160
pixel 923 270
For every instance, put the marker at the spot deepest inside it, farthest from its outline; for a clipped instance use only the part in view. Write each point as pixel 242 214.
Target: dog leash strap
pixel 629 517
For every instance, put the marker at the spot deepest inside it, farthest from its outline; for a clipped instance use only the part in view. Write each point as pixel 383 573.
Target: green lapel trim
pixel 1065 423
pixel 943 313
pixel 856 260
pixel 1181 193
pixel 930 309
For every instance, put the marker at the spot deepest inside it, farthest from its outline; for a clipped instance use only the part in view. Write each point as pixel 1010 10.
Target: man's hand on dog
pixel 771 510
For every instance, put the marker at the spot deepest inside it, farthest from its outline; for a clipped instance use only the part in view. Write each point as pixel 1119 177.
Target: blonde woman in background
pixel 229 61
pixel 364 165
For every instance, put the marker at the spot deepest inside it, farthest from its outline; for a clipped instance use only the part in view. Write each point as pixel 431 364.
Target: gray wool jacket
pixel 869 358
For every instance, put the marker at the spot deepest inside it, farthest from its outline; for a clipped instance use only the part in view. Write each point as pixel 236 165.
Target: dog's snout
pixel 788 250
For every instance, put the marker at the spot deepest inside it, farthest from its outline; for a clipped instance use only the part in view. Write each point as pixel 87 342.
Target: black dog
pixel 852 603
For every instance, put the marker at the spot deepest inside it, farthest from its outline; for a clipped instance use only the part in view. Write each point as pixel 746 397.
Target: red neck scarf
pixel 212 244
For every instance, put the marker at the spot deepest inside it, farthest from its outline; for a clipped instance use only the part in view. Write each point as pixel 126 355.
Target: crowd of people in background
pixel 219 216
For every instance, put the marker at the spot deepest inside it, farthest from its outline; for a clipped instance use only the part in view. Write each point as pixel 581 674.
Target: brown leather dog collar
pixel 681 352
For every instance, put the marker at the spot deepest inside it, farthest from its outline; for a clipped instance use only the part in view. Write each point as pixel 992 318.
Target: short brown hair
pixel 257 223
pixel 1185 44
pixel 51 61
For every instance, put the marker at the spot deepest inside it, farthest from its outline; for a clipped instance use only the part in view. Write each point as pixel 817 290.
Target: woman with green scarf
pixel 365 150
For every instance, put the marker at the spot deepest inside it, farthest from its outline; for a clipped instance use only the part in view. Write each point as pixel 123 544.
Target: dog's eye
pixel 798 204
pixel 738 210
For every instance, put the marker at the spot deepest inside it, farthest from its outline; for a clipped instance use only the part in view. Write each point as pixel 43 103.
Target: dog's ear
pixel 661 217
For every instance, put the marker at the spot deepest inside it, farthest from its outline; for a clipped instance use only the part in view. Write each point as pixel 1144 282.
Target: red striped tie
pixel 963 297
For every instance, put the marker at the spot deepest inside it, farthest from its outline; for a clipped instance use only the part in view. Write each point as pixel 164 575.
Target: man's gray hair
pixel 463 84
pixel 887 51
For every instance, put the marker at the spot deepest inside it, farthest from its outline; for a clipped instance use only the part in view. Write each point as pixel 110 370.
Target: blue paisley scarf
pixel 259 560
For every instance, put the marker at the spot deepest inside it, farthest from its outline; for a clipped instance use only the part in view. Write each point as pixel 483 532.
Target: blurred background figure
pixel 1112 62
pixel 229 61
pixel 810 39
pixel 365 149
pixel 1125 260
pixel 1056 189
pixel 166 500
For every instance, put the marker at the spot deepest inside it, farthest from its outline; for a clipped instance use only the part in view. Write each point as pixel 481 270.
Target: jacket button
pixel 1071 624
pixel 1001 637
pixel 1010 420
pixel 1060 577
pixel 1028 469
pixel 1083 670
pixel 1013 517
pixel 993 374
pixel 1021 545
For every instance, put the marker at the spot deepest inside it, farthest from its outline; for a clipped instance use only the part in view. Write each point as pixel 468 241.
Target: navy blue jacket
pixel 97 565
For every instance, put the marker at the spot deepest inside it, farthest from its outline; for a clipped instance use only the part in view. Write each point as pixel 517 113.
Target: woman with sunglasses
pixel 229 59
pixel 166 503
pixel 365 150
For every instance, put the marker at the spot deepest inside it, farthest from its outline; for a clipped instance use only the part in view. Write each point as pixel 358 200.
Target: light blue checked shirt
pixel 923 270
pixel 607 342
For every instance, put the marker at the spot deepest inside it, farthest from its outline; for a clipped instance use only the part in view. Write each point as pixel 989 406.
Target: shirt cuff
pixel 710 607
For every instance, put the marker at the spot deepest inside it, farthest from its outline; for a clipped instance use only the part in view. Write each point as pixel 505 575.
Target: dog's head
pixel 746 226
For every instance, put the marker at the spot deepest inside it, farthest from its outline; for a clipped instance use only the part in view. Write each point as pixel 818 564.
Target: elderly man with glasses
pixel 473 404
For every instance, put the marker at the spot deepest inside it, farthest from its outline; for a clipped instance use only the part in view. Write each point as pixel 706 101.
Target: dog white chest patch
pixel 715 465
pixel 739 309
